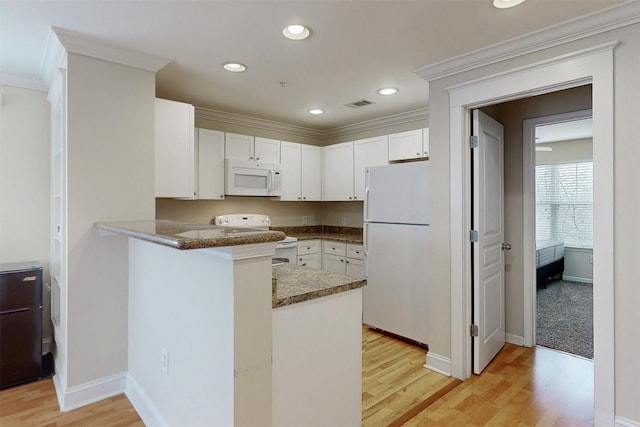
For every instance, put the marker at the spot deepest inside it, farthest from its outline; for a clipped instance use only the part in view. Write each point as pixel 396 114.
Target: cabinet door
pixel 210 164
pixel 239 147
pixel 367 152
pixel 266 150
pixel 355 267
pixel 333 263
pixel 406 145
pixel 175 149
pixel 309 261
pixel 425 142
pixel 311 172
pixel 291 169
pixel 338 172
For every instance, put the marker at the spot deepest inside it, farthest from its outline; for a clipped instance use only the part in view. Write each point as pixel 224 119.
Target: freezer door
pixel 396 295
pixel 397 193
pixel 20 289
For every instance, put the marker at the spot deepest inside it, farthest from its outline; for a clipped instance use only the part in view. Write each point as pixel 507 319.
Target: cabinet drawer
pixel 308 247
pixel 334 248
pixel 355 251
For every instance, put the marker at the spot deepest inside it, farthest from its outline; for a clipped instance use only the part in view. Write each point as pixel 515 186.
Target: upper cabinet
pixel 246 147
pixel 367 152
pixel 301 171
pixel 175 149
pixel 413 144
pixel 337 172
pixel 210 164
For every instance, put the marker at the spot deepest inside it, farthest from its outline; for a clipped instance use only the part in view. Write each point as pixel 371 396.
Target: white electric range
pixel 285 249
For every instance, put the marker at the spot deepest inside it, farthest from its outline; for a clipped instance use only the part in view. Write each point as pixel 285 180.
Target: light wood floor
pixel 521 387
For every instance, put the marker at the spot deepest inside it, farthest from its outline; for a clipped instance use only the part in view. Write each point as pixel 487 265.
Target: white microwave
pixel 251 178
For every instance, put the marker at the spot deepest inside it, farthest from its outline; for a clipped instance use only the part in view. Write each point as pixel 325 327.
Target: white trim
pixel 25 81
pixel 537 78
pixel 514 339
pixel 625 422
pixel 241 120
pixel 85 45
pixel 52 58
pixel 577 279
pixel 143 405
pixel 85 394
pixel 528 218
pixel 579 28
pixel 438 363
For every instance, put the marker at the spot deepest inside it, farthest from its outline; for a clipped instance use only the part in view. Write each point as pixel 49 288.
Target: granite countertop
pixel 182 235
pixel 324 232
pixel 293 284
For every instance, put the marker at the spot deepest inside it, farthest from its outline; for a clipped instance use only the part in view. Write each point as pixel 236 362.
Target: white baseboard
pixel 576 279
pixel 514 339
pixel 143 405
pixel 623 422
pixel 85 394
pixel 438 363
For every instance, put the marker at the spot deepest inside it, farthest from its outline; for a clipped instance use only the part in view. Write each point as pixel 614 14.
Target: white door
pixel 488 256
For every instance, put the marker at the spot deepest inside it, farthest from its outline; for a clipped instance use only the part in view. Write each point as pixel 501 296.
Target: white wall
pixel 25 157
pixel 110 167
pixel 626 208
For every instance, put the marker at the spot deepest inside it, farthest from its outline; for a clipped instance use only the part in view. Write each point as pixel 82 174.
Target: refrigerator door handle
pixel 364 239
pixel 366 203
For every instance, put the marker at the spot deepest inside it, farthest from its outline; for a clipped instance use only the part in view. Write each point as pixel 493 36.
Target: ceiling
pixel 356 47
pixel 565 131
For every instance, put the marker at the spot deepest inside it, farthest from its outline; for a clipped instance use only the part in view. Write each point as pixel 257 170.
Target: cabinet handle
pixel 350 197
pixel 355 197
pixel 347 261
pixel 418 153
pixel 425 153
pixel 304 198
pixel 341 260
pixel 222 196
pixel 298 198
pixel 257 158
pixel 304 265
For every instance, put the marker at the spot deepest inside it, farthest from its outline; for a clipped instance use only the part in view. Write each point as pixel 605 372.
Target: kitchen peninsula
pixel 215 338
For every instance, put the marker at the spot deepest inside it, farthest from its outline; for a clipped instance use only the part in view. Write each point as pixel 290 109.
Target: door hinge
pixel 473 330
pixel 473 236
pixel 473 141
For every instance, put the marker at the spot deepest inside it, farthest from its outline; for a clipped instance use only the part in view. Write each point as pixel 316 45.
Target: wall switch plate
pixel 344 220
pixel 304 220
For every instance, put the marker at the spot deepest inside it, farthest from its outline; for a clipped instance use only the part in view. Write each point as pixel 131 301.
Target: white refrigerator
pixel 396 237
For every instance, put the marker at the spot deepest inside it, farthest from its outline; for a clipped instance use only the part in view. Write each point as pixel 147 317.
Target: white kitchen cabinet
pixel 337 173
pixel 246 147
pixel 334 256
pixel 409 145
pixel 367 152
pixel 355 261
pixel 175 149
pixel 301 171
pixel 210 164
pixel 309 254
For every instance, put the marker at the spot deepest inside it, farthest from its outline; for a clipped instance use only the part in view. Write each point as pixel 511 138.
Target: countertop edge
pixel 310 296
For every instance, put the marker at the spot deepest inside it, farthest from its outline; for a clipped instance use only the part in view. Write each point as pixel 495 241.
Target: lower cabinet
pixel 343 258
pixel 309 254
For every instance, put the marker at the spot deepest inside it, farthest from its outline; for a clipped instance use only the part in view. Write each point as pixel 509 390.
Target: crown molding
pixel 87 46
pixel 52 59
pixel 26 81
pixel 579 28
pixel 241 120
pixel 394 119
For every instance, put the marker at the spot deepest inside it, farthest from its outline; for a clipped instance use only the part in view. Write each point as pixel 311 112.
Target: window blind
pixel 564 203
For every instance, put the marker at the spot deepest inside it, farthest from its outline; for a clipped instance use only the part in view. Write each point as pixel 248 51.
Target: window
pixel 564 203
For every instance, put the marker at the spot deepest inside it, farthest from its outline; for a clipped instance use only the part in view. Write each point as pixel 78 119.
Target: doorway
pixel 591 66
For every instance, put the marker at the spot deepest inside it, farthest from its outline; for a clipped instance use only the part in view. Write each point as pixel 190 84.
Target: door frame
pixel 529 214
pixel 593 65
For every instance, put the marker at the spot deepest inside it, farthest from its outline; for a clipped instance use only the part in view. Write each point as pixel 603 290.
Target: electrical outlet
pixel 590 259
pixel 304 220
pixel 344 220
pixel 164 354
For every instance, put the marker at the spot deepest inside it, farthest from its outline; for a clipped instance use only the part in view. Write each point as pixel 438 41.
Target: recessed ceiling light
pixel 504 4
pixel 388 91
pixel 234 67
pixel 296 32
pixel 316 111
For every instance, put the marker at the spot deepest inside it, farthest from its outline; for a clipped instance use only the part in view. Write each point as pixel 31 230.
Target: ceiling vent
pixel 358 104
